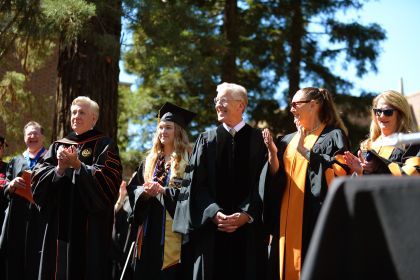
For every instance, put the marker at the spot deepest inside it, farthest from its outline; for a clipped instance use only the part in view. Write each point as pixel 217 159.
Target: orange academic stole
pixel 291 215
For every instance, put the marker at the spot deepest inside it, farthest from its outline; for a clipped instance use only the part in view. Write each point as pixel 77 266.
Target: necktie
pixel 232 132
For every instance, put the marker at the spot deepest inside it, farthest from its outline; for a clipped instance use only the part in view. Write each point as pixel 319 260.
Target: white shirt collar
pixel 237 127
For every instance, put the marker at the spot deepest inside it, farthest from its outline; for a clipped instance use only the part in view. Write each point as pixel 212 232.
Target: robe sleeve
pixel 137 179
pixel 253 204
pixel 141 201
pixel 202 205
pixel 274 188
pixel 170 199
pixel 326 159
pixel 138 199
pixel 44 181
pixel 9 177
pixel 410 162
pixel 99 183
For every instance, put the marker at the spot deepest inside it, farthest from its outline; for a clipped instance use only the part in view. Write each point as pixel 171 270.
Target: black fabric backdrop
pixel 368 228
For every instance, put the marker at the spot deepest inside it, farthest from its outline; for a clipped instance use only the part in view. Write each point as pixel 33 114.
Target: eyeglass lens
pixel 386 112
pixel 295 103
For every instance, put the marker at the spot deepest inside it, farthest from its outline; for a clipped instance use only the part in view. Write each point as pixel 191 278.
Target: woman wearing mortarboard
pixel 154 188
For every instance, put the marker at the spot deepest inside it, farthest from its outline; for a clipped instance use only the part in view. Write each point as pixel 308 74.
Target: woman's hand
pixel 368 166
pixel 268 141
pixel 355 163
pixel 153 188
pixel 272 151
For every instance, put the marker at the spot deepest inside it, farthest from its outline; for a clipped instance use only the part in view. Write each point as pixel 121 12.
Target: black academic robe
pixel 224 175
pixel 149 212
pixel 331 142
pixel 3 199
pixel 121 238
pixel 404 160
pixel 70 230
pixel 3 204
pixel 12 240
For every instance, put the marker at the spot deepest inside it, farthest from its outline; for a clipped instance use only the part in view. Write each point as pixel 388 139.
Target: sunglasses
pixel 386 112
pixel 294 104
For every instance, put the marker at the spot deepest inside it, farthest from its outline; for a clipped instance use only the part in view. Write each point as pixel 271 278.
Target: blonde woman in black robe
pixel 154 190
pixel 390 114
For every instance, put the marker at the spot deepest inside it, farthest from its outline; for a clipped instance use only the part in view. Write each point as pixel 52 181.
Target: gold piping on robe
pixel 172 245
pixel 172 249
pixel 291 215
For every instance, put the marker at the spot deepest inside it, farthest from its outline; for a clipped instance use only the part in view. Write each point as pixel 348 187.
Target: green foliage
pixel 29 31
pixel 173 53
pixel 13 98
pixel 130 161
pixel 69 17
pixel 179 50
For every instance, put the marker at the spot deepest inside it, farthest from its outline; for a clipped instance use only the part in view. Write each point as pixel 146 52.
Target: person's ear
pixel 94 119
pixel 242 106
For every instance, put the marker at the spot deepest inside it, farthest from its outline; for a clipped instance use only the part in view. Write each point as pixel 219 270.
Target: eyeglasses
pixel 387 112
pixel 294 104
pixel 223 100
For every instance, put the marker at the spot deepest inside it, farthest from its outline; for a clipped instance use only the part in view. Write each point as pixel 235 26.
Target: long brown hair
pixel 328 112
pixel 181 146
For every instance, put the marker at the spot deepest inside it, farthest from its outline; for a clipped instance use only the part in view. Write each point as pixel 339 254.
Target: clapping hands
pixel 67 158
pixel 153 188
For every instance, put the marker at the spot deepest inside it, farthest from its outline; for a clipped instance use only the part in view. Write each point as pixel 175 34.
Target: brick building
pixel 414 100
pixel 42 86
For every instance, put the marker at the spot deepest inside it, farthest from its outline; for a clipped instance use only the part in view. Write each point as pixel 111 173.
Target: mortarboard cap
pixel 173 113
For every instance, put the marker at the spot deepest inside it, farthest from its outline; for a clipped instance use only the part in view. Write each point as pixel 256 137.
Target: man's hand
pixel 70 154
pixel 63 162
pixel 17 182
pixel 230 223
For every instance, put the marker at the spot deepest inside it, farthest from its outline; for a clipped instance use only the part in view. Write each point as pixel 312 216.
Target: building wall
pixel 42 86
pixel 414 100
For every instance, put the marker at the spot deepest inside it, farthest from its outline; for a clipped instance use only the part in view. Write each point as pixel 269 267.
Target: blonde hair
pixel 327 113
pixel 236 90
pixel 397 101
pixel 94 107
pixel 181 146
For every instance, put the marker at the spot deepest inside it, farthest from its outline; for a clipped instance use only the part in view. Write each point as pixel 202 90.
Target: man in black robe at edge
pixel 75 188
pixel 3 167
pixel 223 211
pixel 13 233
pixel 3 200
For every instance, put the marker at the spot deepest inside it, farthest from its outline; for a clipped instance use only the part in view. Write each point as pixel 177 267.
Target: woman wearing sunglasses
pixel 391 114
pixel 305 162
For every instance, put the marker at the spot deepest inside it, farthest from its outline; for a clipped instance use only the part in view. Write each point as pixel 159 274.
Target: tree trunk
pixel 230 30
pixel 89 67
pixel 296 33
pixel 295 36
